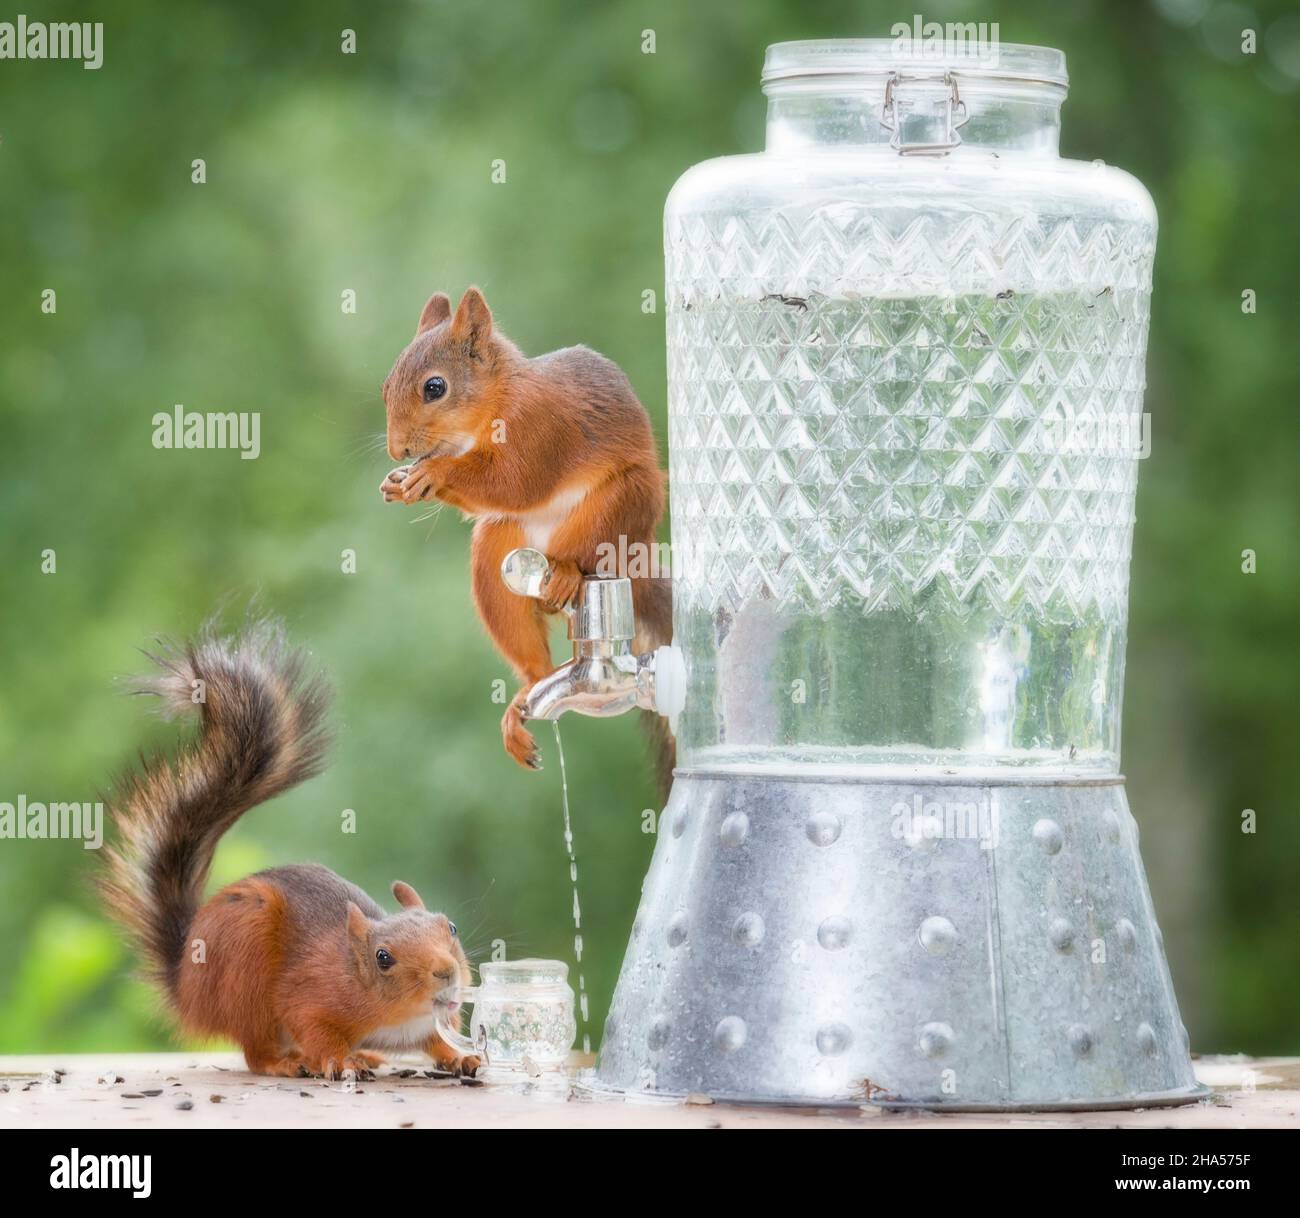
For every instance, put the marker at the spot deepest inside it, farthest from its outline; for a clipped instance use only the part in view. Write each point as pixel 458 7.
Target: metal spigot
pixel 605 677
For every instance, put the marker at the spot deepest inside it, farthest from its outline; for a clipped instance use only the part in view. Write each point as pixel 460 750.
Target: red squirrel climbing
pixel 553 452
pixel 302 969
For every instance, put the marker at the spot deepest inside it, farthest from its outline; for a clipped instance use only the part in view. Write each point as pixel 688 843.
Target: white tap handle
pixel 670 683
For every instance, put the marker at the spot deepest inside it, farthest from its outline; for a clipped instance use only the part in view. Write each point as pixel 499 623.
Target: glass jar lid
pixel 971 57
pixel 524 972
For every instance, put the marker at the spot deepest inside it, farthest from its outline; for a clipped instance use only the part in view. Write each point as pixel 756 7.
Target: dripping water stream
pixel 577 905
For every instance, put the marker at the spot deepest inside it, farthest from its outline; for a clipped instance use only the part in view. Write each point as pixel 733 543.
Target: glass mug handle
pixel 467 995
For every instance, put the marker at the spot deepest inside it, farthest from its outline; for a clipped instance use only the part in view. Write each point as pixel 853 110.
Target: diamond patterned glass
pixel 903 399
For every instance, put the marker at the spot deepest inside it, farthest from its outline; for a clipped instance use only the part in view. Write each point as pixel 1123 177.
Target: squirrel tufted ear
pixel 358 923
pixel 436 310
pixel 473 320
pixel 406 896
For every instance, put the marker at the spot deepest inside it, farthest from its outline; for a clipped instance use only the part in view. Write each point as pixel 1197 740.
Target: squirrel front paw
pixel 361 1066
pixel 418 483
pixel 519 744
pixel 446 1058
pixel 408 483
pixel 561 585
pixel 391 487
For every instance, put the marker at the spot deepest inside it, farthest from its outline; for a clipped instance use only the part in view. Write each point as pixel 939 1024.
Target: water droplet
pixel 748 930
pixel 679 823
pixel 1061 933
pixel 1146 1039
pixel 677 930
pixel 834 933
pixel 823 828
pixel 935 1039
pixel 1080 1039
pixel 1111 821
pixel 1047 833
pixel 730 1033
pixel 1127 935
pixel 938 936
pixel 923 832
pixel 833 1039
pixel 735 829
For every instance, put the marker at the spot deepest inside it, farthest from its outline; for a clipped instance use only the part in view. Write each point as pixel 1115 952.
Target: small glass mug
pixel 522 1009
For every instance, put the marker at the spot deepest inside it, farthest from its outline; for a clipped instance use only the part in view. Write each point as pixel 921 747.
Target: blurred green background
pixel 371 172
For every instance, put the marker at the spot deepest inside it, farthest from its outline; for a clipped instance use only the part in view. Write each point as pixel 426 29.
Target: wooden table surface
pixel 209 1090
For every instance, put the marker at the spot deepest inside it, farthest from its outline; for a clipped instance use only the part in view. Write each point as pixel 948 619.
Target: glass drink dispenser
pixel 906 349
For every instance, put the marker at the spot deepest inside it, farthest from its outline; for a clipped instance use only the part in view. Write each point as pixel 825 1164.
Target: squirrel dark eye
pixel 434 388
pixel 384 958
pixel 451 926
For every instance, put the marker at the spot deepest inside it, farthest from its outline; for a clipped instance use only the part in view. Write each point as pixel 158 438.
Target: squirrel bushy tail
pixel 262 731
pixel 654 609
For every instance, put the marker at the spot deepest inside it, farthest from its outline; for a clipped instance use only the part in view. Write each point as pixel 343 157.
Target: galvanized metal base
pixel 929 942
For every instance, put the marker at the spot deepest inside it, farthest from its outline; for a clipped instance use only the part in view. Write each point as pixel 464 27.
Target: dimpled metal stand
pixel 800 942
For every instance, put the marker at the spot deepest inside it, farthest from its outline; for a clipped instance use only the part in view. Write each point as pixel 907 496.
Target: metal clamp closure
pixel 952 117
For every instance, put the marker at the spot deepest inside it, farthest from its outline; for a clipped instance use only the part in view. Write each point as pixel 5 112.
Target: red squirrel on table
pixel 299 967
pixel 553 452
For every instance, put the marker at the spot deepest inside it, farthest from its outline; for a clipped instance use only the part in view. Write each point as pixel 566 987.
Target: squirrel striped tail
pixel 262 730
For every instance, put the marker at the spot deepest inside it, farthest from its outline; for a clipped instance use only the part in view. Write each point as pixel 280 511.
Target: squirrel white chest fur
pixel 413 1034
pixel 540 523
